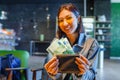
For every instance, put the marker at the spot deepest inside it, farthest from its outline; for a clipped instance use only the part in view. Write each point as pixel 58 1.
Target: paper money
pixel 60 46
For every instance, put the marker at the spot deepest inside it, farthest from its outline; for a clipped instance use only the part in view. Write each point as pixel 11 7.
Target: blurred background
pixel 31 25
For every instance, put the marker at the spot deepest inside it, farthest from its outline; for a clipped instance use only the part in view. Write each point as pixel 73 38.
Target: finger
pixel 54 64
pixel 81 66
pixel 52 68
pixel 53 73
pixel 50 62
pixel 84 59
pixel 55 70
pixel 80 61
pixel 82 71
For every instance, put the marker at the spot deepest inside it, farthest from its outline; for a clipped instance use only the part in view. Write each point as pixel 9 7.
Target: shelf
pixel 104 34
pixel 103 22
pixel 103 28
pixel 100 40
pixel 107 46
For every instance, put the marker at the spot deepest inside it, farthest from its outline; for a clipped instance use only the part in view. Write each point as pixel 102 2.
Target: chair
pixel 35 71
pixel 23 56
pixel 44 75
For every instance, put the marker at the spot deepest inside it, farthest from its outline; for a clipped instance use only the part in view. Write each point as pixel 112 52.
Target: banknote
pixel 60 46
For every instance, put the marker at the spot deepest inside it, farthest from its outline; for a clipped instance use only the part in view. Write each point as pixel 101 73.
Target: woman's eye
pixel 68 18
pixel 60 21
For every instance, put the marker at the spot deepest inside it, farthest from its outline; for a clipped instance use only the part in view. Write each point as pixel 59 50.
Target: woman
pixel 70 26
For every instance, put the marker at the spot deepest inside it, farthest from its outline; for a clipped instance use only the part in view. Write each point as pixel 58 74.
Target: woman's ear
pixel 79 18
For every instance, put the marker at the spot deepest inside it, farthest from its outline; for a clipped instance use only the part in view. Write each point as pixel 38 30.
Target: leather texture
pixel 67 63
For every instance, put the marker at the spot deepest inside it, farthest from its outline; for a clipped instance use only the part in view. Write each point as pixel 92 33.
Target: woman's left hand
pixel 83 64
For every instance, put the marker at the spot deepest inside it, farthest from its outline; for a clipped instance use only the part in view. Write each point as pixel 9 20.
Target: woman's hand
pixel 52 66
pixel 83 64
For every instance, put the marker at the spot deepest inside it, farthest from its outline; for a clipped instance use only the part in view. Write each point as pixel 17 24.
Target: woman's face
pixel 67 21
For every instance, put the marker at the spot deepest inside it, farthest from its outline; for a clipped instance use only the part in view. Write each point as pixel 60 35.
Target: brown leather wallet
pixel 67 63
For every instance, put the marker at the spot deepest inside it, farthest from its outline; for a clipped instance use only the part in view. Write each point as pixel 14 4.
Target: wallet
pixel 67 63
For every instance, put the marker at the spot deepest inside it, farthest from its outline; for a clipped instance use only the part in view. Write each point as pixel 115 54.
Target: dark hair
pixel 72 8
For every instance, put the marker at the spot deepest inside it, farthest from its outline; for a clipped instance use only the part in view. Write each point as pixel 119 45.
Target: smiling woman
pixel 70 26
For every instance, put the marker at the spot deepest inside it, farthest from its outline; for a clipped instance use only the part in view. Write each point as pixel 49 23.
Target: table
pixel 35 62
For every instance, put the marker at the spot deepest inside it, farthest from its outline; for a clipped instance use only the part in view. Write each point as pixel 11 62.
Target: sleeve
pixel 92 56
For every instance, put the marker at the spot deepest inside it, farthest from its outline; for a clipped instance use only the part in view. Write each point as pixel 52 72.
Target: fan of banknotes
pixel 60 46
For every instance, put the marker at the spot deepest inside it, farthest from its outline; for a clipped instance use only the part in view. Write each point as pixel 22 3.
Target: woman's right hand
pixel 52 66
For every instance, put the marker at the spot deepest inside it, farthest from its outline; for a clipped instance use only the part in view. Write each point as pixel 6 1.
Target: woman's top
pixel 91 55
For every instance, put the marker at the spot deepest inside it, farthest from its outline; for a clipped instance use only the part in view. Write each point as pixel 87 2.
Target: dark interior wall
pixel 39 1
pixel 30 20
pixel 29 17
pixel 23 18
pixel 90 7
pixel 102 7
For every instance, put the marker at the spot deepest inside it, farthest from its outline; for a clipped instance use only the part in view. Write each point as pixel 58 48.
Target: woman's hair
pixel 72 8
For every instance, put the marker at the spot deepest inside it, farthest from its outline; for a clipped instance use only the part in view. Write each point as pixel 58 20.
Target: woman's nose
pixel 65 22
